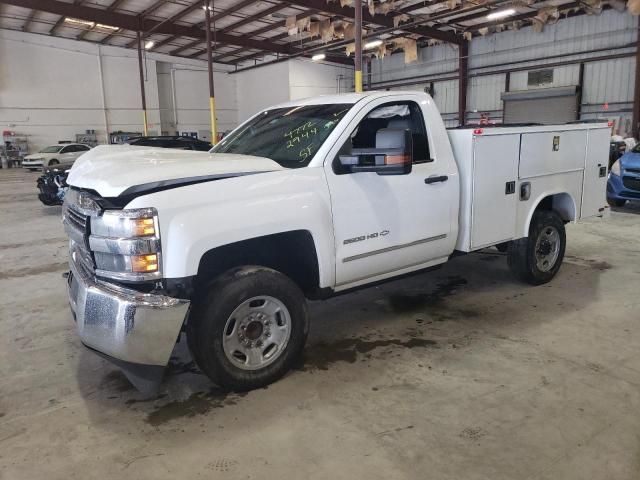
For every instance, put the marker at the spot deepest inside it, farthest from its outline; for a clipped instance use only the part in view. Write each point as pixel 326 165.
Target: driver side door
pixel 386 225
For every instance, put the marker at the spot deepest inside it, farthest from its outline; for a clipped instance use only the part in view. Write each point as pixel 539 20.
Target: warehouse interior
pixel 462 372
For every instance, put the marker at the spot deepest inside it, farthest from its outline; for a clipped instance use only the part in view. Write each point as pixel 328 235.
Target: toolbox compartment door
pixel 595 173
pixel 495 175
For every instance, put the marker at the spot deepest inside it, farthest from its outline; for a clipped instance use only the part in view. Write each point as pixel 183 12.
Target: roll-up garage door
pixel 541 105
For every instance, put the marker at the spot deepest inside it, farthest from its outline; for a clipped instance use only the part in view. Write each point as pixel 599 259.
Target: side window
pixel 67 149
pixel 82 148
pixel 395 115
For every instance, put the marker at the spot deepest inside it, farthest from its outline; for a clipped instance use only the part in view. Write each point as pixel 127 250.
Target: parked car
pixel 63 154
pixel 164 141
pixel 624 179
pixel 306 200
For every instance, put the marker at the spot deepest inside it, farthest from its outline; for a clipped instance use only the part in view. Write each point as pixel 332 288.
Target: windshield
pixel 52 149
pixel 290 136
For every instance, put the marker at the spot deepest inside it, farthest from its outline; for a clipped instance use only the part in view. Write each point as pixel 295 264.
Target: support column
pixel 358 34
pixel 635 126
pixel 212 98
pixel 463 69
pixel 144 98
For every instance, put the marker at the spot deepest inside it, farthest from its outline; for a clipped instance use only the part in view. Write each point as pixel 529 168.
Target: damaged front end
pixel 52 186
pixel 108 249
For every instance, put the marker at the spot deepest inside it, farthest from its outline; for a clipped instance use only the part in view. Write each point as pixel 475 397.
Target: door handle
pixel 436 179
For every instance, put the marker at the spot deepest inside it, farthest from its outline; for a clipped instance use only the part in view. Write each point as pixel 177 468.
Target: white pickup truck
pixel 304 200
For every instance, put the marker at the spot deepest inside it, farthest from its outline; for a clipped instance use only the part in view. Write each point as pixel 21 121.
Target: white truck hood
pixel 112 169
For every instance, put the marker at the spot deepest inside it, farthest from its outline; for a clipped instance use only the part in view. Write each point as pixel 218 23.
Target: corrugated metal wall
pixel 571 39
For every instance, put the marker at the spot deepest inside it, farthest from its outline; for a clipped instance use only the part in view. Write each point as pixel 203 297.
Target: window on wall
pixel 539 78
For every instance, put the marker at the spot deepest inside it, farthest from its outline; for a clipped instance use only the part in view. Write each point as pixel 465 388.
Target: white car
pixel 64 154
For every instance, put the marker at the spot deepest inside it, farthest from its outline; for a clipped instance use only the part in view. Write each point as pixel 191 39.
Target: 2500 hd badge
pixel 383 233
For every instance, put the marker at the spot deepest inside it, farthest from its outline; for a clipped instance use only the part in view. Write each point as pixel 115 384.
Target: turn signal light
pixel 144 263
pixel 143 226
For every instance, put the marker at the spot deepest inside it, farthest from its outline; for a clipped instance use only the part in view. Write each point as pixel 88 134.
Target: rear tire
pixel 537 258
pixel 614 202
pixel 249 328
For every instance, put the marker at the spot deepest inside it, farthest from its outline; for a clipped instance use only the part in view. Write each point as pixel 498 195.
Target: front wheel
pixel 53 162
pixel 536 259
pixel 249 328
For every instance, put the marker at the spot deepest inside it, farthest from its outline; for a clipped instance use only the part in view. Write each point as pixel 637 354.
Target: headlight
pixel 615 168
pixel 126 244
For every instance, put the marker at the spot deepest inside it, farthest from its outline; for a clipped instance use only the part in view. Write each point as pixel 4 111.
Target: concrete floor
pixel 458 374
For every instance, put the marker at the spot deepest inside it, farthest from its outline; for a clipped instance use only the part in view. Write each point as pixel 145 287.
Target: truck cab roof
pixel 349 98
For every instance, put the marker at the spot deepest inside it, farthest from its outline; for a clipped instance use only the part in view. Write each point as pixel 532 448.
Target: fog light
pixel 144 263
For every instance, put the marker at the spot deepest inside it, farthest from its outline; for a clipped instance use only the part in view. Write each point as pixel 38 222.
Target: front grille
pixel 77 219
pixel 631 183
pixel 633 170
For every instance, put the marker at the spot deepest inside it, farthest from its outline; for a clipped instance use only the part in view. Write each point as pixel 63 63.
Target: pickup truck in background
pixel 305 200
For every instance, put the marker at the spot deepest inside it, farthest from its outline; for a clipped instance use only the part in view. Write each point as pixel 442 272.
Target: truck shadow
pixel 630 207
pixel 469 300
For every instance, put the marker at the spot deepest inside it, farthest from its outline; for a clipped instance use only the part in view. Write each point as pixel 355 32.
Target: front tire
pixel 53 162
pixel 537 258
pixel 249 328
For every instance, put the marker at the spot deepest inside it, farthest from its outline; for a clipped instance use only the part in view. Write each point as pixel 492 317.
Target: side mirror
pixel 393 154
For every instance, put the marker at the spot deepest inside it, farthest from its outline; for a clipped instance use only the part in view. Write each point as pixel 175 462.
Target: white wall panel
pixel 484 93
pixel 308 79
pixel 609 81
pixel 51 89
pixel 262 87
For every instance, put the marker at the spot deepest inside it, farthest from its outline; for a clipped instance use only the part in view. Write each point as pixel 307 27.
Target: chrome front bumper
pixel 124 325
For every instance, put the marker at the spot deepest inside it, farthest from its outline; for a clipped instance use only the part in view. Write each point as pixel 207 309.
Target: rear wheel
pixel 536 259
pixel 249 328
pixel 614 202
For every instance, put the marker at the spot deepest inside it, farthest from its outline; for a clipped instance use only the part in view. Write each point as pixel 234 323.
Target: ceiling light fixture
pixel 372 44
pixel 149 44
pixel 110 28
pixel 501 14
pixel 209 7
pixel 76 21
pixel 318 56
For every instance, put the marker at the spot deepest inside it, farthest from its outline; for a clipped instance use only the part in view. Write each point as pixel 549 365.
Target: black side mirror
pixel 393 154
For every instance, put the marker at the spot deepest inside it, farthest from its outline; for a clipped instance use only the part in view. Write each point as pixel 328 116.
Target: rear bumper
pixel 128 327
pixel 617 191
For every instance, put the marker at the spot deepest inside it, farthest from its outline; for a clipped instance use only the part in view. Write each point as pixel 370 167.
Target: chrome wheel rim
pixel 256 333
pixel 547 248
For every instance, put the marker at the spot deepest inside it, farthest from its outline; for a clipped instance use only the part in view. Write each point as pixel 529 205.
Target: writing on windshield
pixel 290 136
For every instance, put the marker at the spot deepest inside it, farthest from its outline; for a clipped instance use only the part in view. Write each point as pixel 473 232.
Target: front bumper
pixel 618 191
pixel 30 164
pixel 135 330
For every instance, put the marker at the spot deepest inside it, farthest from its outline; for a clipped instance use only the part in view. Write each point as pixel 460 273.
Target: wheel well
pixel 562 203
pixel 292 253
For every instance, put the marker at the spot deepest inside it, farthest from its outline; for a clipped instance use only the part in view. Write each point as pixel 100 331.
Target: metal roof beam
pixel 60 21
pixel 132 22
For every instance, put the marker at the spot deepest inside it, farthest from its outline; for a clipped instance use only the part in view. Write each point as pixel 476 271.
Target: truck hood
pixel 112 170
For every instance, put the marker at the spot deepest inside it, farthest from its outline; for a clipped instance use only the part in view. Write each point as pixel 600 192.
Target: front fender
pixel 197 218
